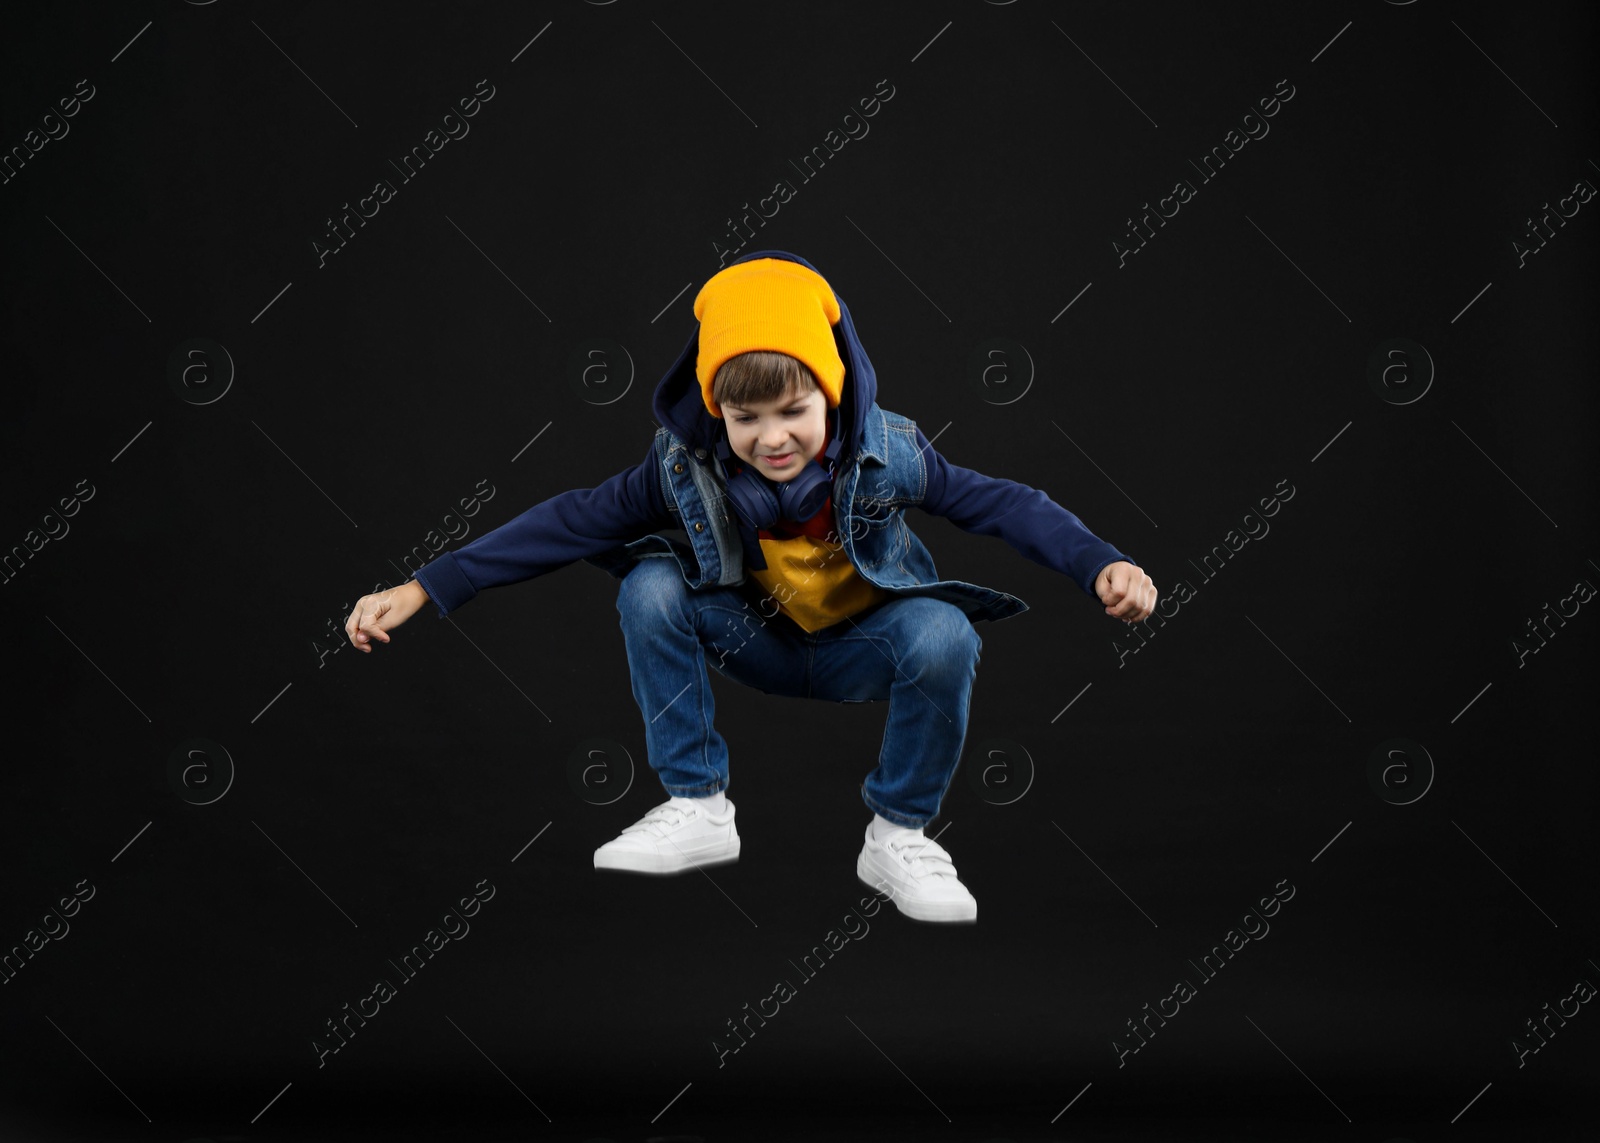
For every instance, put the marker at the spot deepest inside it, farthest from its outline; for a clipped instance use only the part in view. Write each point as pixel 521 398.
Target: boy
pixel 799 572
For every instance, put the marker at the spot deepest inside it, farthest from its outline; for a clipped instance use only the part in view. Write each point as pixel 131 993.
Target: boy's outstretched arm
pixel 567 527
pixel 1038 528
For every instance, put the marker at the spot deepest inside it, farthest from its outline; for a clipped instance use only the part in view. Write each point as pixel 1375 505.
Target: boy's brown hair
pixel 759 376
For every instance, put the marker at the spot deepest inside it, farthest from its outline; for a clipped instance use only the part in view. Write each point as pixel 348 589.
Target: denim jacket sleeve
pixel 553 533
pixel 1027 519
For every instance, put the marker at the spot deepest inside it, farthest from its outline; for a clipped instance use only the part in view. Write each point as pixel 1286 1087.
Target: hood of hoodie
pixel 680 406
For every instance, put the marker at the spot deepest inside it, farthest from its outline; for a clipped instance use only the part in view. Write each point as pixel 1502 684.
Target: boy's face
pixel 790 431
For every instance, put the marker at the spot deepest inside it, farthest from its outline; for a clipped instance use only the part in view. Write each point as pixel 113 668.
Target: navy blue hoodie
pixel 593 524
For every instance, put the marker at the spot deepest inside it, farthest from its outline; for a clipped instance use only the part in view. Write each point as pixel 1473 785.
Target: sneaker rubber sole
pixel 945 912
pixel 665 864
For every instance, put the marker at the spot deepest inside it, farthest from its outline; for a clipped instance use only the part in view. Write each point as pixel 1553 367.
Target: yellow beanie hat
pixel 772 304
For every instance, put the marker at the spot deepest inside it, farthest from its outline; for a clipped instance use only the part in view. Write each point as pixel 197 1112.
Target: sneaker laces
pixel 658 820
pixel 923 856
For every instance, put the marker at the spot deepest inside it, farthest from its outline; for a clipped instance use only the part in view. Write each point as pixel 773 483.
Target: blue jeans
pixel 920 654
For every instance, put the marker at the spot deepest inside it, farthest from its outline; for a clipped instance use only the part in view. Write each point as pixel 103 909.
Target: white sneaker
pixel 917 872
pixel 679 834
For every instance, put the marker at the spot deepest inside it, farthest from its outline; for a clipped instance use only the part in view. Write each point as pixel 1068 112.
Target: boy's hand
pixel 1127 592
pixel 375 615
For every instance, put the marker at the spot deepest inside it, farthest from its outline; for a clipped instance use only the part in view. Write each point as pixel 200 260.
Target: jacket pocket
pixel 880 542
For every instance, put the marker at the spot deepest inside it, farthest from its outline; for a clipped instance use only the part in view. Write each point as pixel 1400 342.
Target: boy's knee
pixel 651 586
pixel 942 635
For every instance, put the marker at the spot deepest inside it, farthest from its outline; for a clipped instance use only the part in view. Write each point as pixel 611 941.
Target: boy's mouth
pixel 777 461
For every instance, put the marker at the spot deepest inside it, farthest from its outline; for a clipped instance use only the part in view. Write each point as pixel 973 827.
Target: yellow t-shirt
pixel 813 581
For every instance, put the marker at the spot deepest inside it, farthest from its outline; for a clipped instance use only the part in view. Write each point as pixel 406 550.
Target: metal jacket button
pixel 700 452
pixel 677 468
pixel 699 527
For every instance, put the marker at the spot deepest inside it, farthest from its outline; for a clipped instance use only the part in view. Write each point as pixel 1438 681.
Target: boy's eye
pixel 745 419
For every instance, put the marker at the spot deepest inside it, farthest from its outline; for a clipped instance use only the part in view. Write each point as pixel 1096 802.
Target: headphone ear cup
pixel 753 500
pixel 802 498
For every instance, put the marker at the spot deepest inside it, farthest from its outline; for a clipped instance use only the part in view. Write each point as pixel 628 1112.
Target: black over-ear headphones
pixel 799 498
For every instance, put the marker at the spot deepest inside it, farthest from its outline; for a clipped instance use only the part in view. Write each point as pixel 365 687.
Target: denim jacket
pixel 886 466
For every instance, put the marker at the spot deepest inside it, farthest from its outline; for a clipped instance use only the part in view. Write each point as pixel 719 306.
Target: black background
pixel 197 591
